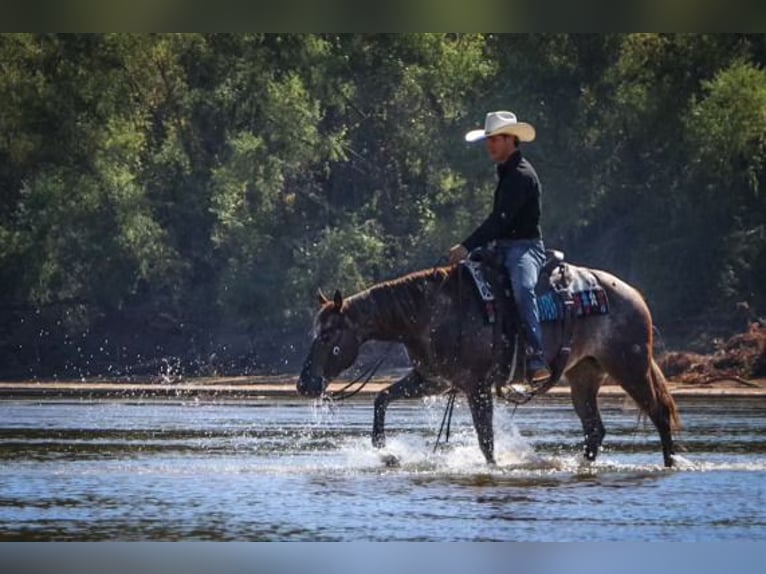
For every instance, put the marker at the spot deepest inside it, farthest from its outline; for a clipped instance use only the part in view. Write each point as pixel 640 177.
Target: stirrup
pixel 524 391
pixel 519 393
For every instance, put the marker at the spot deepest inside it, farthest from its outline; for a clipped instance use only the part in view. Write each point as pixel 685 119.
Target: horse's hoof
pixel 390 460
pixel 590 455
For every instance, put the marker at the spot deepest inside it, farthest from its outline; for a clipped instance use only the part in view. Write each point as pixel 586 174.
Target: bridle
pixel 362 379
pixel 345 392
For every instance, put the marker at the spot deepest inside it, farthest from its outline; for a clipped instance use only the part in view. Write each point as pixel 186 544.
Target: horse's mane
pixel 396 302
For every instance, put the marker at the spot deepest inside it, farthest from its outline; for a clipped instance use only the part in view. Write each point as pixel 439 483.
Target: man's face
pixel 500 147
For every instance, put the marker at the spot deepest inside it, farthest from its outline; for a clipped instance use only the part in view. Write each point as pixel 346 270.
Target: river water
pixel 292 470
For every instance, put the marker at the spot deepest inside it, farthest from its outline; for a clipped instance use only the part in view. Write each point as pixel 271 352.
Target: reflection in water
pixel 284 470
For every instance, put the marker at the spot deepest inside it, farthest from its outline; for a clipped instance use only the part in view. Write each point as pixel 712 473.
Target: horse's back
pixel 625 300
pixel 626 326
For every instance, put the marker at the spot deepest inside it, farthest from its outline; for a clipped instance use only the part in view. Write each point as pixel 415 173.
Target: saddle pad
pixel 588 297
pixel 476 269
pixel 586 303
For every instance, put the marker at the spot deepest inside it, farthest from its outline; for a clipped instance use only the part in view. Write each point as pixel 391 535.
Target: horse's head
pixel 334 349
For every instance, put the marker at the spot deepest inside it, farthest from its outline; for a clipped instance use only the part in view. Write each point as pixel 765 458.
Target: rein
pixel 367 374
pixel 446 418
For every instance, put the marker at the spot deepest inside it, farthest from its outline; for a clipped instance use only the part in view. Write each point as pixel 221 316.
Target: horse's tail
pixel 662 394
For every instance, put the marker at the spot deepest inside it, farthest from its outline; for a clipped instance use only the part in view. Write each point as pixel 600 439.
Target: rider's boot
pixel 538 375
pixel 538 372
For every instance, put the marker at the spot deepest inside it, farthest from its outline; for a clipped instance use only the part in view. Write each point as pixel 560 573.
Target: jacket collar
pixel 512 161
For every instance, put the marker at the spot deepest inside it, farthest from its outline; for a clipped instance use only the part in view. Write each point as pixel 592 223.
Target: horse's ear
pixel 338 299
pixel 321 297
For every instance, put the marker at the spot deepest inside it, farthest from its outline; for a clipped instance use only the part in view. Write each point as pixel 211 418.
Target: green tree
pixel 726 131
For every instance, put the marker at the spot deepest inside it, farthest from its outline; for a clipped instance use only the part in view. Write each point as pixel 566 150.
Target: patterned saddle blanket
pixel 560 283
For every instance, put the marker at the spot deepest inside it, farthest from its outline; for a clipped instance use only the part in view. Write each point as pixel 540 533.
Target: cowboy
pixel 514 225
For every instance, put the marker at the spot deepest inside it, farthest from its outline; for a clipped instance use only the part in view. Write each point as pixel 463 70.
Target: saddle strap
pixel 559 362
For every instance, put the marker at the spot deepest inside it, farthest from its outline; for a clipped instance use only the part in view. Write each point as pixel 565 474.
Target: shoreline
pixel 283 386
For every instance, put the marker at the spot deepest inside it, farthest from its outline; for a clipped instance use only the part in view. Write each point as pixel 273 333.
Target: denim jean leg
pixel 524 259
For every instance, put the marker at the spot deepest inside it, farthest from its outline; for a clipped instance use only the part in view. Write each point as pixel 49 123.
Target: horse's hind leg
pixel 585 380
pixel 412 386
pixel 644 382
pixel 663 411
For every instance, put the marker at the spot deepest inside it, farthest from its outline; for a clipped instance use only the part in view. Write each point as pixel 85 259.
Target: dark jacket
pixel 516 210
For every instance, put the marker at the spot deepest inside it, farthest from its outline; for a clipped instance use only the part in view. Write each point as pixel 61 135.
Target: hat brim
pixel 524 131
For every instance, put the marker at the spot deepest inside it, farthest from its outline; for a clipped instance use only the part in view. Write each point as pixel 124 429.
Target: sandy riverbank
pixel 253 387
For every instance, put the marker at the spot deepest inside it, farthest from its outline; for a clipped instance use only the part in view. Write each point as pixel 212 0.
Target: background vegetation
pixel 172 202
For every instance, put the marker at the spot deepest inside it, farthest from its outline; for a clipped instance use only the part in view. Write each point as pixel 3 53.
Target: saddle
pixel 564 294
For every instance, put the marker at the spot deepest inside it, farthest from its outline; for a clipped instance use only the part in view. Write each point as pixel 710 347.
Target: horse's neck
pixel 394 311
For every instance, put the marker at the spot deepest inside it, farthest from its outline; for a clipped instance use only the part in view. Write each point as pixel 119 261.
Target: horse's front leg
pixel 412 386
pixel 480 403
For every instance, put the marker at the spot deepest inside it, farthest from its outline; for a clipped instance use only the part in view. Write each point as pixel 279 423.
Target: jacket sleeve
pixel 511 196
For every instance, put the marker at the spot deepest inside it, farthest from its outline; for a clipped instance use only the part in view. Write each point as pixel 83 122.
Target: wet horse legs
pixel 412 386
pixel 480 403
pixel 650 391
pixel 585 380
pixel 643 380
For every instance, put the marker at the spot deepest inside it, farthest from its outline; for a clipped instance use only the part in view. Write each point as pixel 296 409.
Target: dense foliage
pixel 180 198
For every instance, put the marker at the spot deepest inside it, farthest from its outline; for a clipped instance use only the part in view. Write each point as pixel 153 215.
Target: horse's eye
pixel 336 350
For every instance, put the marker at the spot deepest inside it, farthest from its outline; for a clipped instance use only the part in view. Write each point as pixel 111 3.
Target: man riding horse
pixel 451 344
pixel 514 225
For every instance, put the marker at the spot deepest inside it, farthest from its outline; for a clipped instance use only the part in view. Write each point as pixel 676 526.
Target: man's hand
pixel 457 253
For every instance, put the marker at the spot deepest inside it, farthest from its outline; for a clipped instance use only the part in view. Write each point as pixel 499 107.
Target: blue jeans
pixel 524 258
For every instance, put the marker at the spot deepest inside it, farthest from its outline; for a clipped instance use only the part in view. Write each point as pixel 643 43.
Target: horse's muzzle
pixel 309 384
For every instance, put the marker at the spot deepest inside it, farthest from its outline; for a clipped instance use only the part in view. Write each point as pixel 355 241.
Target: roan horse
pixel 439 320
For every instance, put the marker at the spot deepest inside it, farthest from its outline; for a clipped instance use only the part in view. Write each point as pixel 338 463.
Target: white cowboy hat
pixel 498 123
